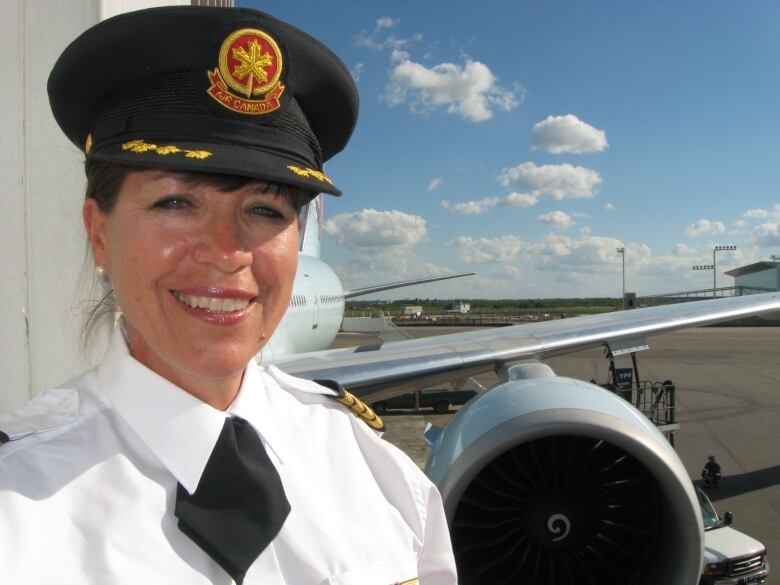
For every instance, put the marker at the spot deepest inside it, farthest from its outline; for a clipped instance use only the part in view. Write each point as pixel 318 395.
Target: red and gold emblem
pixel 247 79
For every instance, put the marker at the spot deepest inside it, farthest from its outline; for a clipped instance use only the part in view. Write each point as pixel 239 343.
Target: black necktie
pixel 239 505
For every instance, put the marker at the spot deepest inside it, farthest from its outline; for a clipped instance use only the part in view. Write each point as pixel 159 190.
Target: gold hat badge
pixel 247 79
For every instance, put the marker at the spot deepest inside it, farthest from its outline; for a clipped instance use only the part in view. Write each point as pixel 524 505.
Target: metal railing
pixel 656 400
pixel 699 295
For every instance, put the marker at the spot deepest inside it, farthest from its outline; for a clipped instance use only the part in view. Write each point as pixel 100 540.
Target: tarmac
pixel 728 404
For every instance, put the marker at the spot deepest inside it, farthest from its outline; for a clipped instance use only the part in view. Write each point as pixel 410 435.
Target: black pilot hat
pixel 200 89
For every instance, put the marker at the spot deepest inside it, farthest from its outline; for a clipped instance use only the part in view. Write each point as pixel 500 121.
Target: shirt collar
pixel 178 428
pixel 252 404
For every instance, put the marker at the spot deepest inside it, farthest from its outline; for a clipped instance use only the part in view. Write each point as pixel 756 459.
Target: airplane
pixel 316 310
pixel 545 480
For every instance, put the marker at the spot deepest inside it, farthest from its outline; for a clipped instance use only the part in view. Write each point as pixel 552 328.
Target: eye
pixel 266 211
pixel 172 202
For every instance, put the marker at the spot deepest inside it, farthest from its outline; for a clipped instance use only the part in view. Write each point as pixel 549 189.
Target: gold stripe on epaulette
pixel 414 581
pixel 362 410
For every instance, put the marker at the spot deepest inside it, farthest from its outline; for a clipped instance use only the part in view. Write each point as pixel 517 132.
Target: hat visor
pixel 219 159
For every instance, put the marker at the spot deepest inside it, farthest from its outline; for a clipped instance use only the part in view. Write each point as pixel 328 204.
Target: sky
pixel 526 141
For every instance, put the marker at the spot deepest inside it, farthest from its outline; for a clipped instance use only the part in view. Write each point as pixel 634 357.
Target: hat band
pixel 193 128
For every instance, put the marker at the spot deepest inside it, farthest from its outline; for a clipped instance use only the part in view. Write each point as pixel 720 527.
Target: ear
pixel 95 225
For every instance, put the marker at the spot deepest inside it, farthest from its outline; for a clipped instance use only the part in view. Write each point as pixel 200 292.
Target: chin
pixel 220 363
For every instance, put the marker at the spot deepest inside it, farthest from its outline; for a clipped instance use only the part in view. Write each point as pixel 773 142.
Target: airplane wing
pixel 359 292
pixel 546 476
pixel 379 371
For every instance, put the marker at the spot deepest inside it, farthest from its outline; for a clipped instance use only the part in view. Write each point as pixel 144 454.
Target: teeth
pixel 213 304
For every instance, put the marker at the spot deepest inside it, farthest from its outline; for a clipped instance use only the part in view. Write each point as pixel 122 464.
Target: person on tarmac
pixel 711 472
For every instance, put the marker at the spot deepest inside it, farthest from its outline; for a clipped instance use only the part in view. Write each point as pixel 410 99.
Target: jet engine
pixel 553 481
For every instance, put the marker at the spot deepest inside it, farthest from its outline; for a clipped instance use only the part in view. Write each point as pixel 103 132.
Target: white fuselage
pixel 315 313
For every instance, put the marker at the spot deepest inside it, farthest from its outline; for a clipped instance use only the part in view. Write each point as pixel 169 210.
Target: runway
pixel 728 403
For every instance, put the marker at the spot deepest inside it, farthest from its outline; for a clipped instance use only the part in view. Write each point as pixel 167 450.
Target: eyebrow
pixel 269 188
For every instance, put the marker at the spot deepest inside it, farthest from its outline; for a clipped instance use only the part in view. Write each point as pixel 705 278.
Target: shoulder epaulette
pixel 47 411
pixel 357 406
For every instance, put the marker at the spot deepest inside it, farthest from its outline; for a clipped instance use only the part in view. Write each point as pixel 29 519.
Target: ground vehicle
pixel 730 557
pixel 440 400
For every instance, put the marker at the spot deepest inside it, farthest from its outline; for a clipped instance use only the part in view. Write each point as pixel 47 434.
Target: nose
pixel 222 245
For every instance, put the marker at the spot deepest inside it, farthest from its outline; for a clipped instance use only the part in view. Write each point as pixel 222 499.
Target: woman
pixel 178 459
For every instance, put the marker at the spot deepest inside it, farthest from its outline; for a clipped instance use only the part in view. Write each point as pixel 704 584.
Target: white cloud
pixel 555 245
pixel 385 22
pixel 471 207
pixel 482 205
pixel 373 265
pixel 585 230
pixel 435 184
pixel 370 228
pixel 767 234
pixel 396 43
pixel 399 55
pixel 501 249
pixel 557 219
pixel 581 255
pixel 683 250
pixel 705 227
pixel 568 135
pixel 740 223
pixel 372 41
pixel 470 91
pixel 357 71
pixel 609 207
pixel 521 200
pixel 369 41
pixel 558 181
pixel 505 272
pixel 580 279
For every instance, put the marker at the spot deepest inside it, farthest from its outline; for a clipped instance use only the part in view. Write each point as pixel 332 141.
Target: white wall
pixel 41 173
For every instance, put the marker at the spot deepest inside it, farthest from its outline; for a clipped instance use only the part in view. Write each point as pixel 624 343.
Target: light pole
pixel 705 267
pixel 622 251
pixel 714 266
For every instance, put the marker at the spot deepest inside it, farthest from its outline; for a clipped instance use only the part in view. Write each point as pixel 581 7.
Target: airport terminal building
pixel 763 275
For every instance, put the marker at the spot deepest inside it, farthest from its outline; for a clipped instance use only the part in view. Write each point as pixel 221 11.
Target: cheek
pixel 276 261
pixel 140 255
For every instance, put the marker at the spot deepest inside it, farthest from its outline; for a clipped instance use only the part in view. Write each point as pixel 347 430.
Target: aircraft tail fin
pixel 311 228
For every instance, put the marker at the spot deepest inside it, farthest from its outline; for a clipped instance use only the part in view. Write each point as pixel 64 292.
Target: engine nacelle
pixel 554 481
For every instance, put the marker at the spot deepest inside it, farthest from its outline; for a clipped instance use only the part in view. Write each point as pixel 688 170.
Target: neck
pixel 218 394
pixel 217 391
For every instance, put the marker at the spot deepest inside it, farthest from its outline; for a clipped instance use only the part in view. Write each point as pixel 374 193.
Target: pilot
pixel 178 459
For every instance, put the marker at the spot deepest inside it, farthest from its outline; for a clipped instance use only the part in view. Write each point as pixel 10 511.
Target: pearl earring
pixel 100 271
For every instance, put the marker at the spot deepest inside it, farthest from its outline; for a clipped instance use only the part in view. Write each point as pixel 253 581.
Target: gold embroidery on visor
pixel 140 146
pixel 319 175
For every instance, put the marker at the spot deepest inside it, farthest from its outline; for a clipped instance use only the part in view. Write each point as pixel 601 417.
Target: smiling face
pixel 202 276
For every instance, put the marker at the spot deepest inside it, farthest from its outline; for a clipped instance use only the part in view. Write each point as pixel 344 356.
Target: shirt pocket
pixel 396 572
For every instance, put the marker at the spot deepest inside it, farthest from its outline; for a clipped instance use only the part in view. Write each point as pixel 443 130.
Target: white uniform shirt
pixel 88 486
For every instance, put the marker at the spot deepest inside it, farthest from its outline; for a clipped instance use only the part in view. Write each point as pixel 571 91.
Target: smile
pixel 212 304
